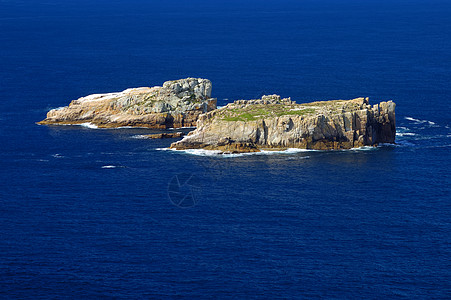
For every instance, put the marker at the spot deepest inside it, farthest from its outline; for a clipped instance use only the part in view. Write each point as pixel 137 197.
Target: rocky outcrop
pixel 275 123
pixel 175 104
pixel 163 135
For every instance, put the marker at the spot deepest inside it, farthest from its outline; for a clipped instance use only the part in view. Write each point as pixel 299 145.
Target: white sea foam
pixel 404 131
pixel 296 157
pixel 288 151
pixel 109 167
pixel 363 148
pixel 140 136
pixel 218 153
pixel 418 121
pixel 414 120
pixel 202 152
pixel 405 134
pixel 89 125
pixel 93 126
pixel 126 127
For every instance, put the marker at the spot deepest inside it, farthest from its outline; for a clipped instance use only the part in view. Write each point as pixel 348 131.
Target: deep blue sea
pixel 101 213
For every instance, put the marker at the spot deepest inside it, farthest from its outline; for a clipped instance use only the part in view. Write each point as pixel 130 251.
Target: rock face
pixel 275 123
pixel 176 104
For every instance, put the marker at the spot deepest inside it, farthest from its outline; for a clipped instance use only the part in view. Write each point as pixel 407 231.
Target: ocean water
pixel 103 213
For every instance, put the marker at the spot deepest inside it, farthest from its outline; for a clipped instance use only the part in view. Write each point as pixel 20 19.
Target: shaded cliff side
pixel 275 123
pixel 176 104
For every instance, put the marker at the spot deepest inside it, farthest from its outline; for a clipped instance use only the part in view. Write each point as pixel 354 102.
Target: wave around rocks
pixel 289 151
pixel 89 125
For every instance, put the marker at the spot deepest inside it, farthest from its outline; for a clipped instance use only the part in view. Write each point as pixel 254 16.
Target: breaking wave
pixel 363 148
pixel 89 125
pixel 140 137
pixel 405 134
pixel 418 121
pixel 289 151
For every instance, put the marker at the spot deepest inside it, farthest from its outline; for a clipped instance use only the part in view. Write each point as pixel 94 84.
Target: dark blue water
pixel 89 213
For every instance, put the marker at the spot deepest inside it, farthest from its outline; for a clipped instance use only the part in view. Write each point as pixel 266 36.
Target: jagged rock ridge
pixel 275 123
pixel 176 104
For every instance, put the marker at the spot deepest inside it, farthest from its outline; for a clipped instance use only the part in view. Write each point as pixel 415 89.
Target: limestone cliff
pixel 275 123
pixel 176 104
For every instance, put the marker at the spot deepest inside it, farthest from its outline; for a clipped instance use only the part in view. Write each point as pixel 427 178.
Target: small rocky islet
pixel 269 123
pixel 176 104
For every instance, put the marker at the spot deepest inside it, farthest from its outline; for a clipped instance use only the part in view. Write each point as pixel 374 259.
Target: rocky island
pixel 269 123
pixel 275 124
pixel 176 104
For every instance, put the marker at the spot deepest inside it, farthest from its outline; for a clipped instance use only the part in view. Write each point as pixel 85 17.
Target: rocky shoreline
pixel 272 123
pixel 176 104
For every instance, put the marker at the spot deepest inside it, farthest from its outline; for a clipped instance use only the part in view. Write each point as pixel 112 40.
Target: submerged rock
pixel 176 104
pixel 275 123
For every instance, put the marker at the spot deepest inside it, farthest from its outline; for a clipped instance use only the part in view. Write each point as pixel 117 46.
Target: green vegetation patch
pixel 241 117
pixel 261 111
